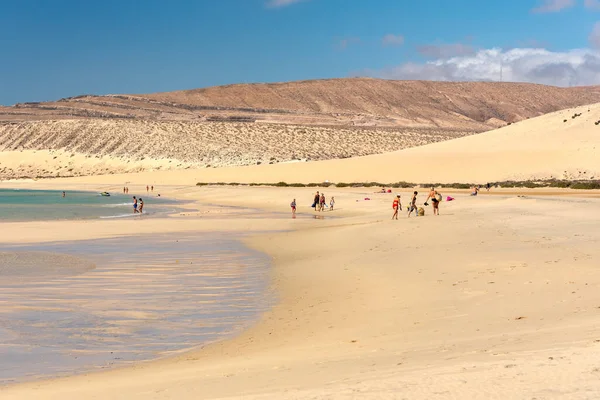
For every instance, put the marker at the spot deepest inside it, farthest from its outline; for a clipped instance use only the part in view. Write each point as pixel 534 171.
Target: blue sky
pixel 53 49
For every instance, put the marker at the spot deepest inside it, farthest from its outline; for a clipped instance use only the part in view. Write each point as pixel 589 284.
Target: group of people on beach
pixel 320 202
pixel 434 196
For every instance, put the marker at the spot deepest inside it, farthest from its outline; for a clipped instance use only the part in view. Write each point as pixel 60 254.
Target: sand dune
pixel 540 148
pixel 89 147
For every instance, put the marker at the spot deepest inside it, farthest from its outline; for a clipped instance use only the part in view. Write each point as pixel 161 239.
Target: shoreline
pixel 341 313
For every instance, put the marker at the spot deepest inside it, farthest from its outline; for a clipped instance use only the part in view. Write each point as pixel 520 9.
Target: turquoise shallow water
pixel 38 205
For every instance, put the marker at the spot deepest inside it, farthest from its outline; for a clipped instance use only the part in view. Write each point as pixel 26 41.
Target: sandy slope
pixel 89 147
pixel 539 148
pixel 496 298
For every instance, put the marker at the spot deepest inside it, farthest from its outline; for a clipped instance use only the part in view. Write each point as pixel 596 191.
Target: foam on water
pixel 80 306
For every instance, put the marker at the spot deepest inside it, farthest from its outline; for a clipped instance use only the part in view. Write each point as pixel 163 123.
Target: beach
pixel 495 298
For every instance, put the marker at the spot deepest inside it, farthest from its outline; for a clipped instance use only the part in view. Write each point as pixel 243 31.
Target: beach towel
pixel 449 198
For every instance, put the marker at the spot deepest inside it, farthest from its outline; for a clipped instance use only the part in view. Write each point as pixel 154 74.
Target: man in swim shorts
pixel 135 205
pixel 430 196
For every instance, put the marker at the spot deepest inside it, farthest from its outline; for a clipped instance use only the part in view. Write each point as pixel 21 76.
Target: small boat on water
pixel 105 194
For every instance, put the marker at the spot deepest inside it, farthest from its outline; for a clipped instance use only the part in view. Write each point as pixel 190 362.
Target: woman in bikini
pixel 396 205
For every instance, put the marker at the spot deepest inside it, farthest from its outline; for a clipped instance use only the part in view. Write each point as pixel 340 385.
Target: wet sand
pixel 73 307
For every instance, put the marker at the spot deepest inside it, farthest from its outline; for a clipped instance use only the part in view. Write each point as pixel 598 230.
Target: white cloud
pixel 282 3
pixel 392 40
pixel 570 68
pixel 547 6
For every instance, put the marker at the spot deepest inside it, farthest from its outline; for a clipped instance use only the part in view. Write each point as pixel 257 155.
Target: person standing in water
pixel 152 188
pixel 64 194
pixel 293 205
pixel 141 205
pixel 396 205
pixel 147 189
pixel 135 205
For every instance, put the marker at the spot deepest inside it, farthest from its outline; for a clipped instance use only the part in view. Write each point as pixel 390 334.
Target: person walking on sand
pixel 430 196
pixel 322 202
pixel 435 202
pixel 147 189
pixel 413 205
pixel 141 205
pixel 152 188
pixel 293 205
pixel 135 205
pixel 396 205
pixel 331 203
pixel 316 201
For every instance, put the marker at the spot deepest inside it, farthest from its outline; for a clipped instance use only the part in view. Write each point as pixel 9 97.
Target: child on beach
pixel 293 205
pixel 413 205
pixel 396 205
pixel 331 203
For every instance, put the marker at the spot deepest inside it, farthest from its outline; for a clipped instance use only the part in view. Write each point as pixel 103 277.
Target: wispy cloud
pixel 282 3
pixel 445 50
pixel 548 6
pixel 343 44
pixel 594 37
pixel 392 40
pixel 592 4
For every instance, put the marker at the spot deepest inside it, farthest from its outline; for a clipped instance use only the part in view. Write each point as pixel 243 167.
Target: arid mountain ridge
pixel 472 106
pixel 253 124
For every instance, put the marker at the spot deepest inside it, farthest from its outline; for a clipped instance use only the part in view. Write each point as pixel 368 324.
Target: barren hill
pixel 469 106
pixel 253 124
